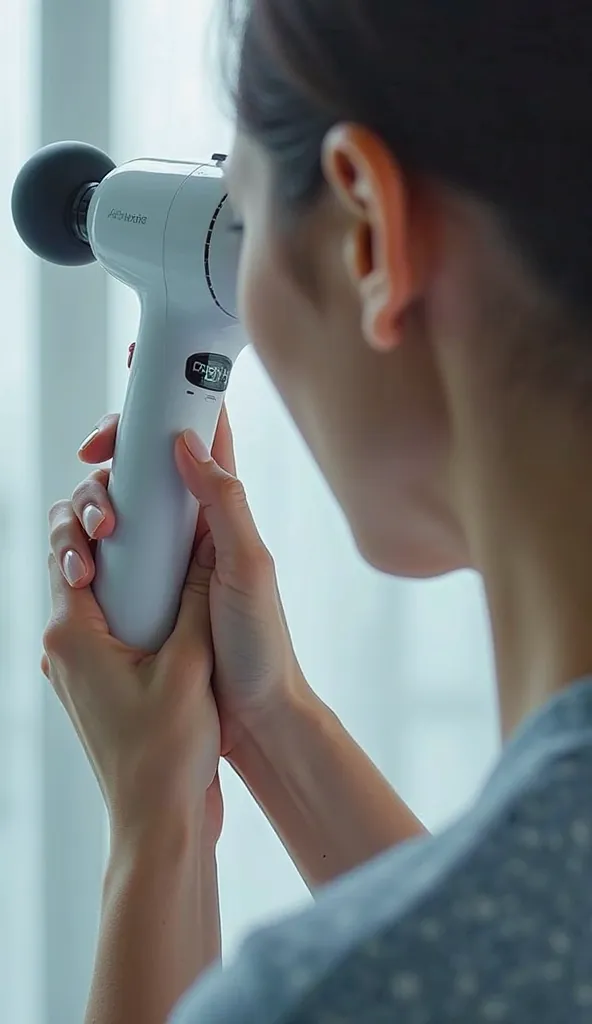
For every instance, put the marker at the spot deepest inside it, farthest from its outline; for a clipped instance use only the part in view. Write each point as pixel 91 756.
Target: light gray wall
pixel 74 103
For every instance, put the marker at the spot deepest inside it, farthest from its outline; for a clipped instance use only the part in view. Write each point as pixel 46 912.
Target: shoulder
pixel 445 921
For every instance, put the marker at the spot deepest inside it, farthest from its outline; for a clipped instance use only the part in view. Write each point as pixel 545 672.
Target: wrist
pixel 279 735
pixel 167 836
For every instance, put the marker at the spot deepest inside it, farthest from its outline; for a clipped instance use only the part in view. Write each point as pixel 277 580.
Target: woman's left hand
pixel 148 723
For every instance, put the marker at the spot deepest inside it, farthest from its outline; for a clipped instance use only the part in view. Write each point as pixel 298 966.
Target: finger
pixel 223 447
pixel 100 443
pixel 75 616
pixel 223 454
pixel 70 546
pixel 194 615
pixel 193 622
pixel 241 555
pixel 91 505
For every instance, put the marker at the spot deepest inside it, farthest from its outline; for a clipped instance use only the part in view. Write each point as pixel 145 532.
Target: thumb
pixel 240 552
pixel 193 621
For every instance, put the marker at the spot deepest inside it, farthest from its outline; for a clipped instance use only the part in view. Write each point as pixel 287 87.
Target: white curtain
pixel 407 666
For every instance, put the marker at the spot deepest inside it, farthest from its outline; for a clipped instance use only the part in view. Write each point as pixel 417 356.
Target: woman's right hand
pixel 256 671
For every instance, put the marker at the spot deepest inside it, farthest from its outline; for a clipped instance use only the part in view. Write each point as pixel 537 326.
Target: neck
pixel 530 526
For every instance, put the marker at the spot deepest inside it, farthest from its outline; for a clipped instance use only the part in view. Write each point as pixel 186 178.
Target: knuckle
pixel 263 561
pixel 198 581
pixel 61 530
pixel 258 567
pixel 100 477
pixel 55 638
pixel 109 421
pixel 90 490
pixel 233 491
pixel 80 494
pixel 58 511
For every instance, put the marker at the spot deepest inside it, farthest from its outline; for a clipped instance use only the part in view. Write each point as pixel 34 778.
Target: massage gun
pixel 164 228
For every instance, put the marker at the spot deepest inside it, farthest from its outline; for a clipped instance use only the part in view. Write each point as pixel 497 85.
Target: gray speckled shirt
pixel 489 922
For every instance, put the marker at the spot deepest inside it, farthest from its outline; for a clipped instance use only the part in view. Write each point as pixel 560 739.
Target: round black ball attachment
pixel 44 199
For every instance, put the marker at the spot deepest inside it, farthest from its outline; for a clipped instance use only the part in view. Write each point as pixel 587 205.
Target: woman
pixel 413 182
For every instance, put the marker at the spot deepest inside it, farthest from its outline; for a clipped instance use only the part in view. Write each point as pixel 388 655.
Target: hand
pixel 256 672
pixel 148 723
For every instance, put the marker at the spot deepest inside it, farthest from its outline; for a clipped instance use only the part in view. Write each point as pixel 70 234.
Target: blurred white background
pixel 406 666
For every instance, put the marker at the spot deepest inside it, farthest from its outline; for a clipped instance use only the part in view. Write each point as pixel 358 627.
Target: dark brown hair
pixel 493 97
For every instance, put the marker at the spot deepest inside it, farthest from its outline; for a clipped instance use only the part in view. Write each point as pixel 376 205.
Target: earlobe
pixel 381 313
pixel 369 184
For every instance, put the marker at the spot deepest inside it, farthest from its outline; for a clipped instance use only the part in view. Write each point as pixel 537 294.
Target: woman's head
pixel 413 179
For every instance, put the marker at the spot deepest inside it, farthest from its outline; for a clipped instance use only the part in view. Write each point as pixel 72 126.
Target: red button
pixel 130 354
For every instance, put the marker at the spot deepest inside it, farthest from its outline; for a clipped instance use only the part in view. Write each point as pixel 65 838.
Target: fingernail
pixel 92 518
pixel 74 568
pixel 196 446
pixel 88 440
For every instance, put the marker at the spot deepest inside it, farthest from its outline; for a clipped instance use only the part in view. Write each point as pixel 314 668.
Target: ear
pixel 379 251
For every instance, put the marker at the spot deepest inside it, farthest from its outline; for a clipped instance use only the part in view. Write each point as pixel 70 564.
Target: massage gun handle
pixel 141 568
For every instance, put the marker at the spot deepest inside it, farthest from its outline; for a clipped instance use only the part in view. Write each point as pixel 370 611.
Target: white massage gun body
pixel 164 229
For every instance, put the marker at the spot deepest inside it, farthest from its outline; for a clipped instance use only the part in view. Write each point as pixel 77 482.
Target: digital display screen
pixel 209 371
